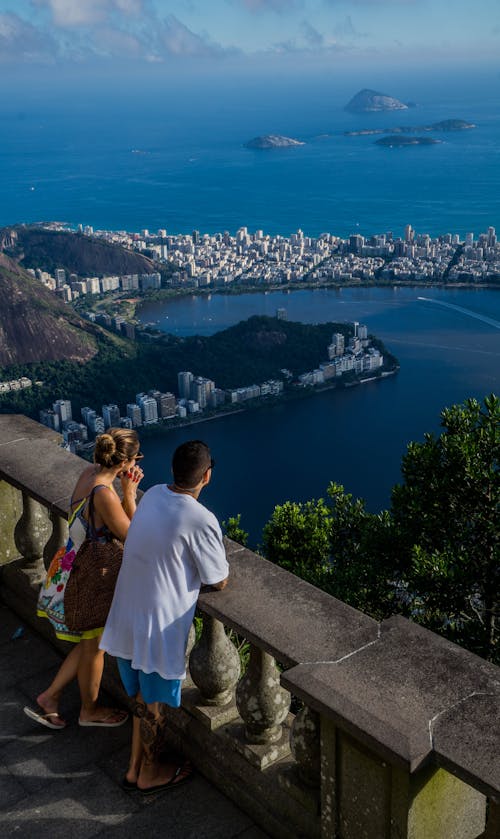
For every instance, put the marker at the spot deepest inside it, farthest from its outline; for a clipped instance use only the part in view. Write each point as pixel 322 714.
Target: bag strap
pixel 91 519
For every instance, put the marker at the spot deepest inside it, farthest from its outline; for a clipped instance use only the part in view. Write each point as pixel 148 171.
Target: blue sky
pixel 249 33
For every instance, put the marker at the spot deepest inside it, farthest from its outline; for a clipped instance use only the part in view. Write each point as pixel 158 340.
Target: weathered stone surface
pixel 261 701
pixel 287 617
pixel 10 513
pixel 46 471
pixel 465 740
pixel 305 745
pixel 387 694
pixel 214 664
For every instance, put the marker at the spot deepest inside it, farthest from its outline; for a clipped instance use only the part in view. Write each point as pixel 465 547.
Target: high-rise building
pixel 134 414
pixel 409 233
pixel 63 408
pixel 51 419
pixel 149 409
pixel 111 416
pixel 184 380
pixel 60 277
pixel 201 389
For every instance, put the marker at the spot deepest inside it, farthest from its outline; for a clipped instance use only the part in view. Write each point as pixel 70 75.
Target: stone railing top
pixel 31 459
pixel 409 695
pixel 287 617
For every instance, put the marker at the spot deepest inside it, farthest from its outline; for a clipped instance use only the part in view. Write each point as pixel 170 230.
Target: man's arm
pixel 221 585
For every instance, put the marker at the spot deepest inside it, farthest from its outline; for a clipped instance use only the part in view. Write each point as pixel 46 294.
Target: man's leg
pixel 152 772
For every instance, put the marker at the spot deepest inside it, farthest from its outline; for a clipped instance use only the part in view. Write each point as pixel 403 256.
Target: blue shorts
pixel 152 686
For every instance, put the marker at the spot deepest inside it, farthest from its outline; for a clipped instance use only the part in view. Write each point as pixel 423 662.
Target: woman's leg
pixel 90 667
pixel 48 700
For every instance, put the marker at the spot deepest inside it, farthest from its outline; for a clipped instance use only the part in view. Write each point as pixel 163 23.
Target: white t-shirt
pixel 173 546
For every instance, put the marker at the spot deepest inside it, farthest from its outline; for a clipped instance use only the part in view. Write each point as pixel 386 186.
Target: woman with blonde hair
pixel 116 455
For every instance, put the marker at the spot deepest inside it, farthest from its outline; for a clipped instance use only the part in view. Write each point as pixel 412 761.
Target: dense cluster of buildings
pixel 70 287
pixel 216 260
pixel 197 394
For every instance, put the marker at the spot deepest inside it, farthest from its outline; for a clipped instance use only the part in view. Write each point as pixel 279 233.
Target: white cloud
pixel 19 40
pixel 74 13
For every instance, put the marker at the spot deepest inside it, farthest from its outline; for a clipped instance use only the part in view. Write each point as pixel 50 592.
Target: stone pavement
pixel 66 783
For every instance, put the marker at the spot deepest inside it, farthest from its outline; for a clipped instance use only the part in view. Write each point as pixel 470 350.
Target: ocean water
pixel 448 346
pixel 172 156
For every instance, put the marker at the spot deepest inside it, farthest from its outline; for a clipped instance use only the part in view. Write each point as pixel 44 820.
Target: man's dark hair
pixel 190 462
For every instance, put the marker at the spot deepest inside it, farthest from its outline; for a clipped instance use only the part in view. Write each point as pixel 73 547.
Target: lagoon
pixel 448 345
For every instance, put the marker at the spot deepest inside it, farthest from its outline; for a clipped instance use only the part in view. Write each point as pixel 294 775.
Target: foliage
pixel 447 512
pixel 434 555
pixel 297 538
pixel 234 530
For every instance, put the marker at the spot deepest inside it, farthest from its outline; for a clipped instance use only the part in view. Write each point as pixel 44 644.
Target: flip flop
pixel 128 786
pixel 104 722
pixel 175 781
pixel 44 719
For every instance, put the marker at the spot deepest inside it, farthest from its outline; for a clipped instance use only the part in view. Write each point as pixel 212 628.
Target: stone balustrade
pixel 395 732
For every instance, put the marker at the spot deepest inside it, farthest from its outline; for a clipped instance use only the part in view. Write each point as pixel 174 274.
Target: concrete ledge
pixel 388 695
pixel 283 615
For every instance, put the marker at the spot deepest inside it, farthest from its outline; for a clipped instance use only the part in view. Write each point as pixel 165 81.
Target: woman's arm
pixel 117 515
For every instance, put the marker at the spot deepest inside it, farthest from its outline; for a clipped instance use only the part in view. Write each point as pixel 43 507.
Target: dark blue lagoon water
pixel 449 349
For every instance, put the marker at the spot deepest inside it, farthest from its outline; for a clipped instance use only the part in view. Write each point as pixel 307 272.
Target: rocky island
pixel 395 140
pixel 272 141
pixel 443 125
pixel 371 100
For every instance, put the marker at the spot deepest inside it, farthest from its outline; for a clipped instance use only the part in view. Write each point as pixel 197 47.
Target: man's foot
pixel 180 775
pixel 103 718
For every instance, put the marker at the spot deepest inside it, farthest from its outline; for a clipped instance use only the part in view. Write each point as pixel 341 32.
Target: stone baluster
pixel 214 664
pixel 58 537
pixel 30 535
pixel 261 701
pixel 305 745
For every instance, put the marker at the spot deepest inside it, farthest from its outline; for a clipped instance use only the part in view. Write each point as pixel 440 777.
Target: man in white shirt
pixel 173 546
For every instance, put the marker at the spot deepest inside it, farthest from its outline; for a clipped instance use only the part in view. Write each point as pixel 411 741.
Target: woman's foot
pixel 50 709
pixel 103 718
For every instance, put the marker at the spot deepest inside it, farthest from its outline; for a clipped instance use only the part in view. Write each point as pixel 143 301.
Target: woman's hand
pixel 130 480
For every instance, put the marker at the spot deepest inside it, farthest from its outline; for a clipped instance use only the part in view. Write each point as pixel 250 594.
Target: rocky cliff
pixel 35 325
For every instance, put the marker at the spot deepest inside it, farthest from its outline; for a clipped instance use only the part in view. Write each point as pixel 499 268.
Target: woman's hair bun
pixel 105 448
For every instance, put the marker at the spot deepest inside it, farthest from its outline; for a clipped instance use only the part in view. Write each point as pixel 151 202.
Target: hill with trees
pixel 250 352
pixel 36 246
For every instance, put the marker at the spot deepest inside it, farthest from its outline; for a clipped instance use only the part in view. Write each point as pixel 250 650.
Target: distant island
pixel 397 140
pixel 272 141
pixel 371 100
pixel 443 125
